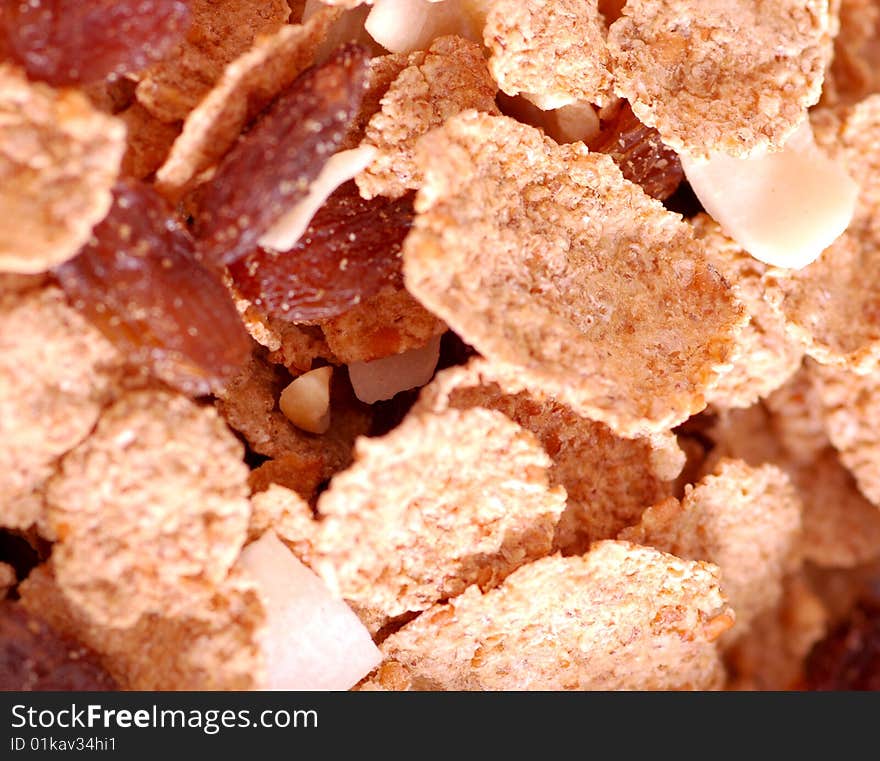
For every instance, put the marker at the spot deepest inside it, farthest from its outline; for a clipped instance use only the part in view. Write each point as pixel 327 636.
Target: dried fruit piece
pixel 465 500
pixel 34 657
pixel 272 166
pixel 609 480
pixel 350 249
pixel 745 520
pixel 438 83
pixel 723 76
pixel 640 153
pixel 550 263
pixel 553 53
pixel 59 160
pixel 68 42
pixel 150 511
pixel 139 281
pixel 221 30
pixel 248 85
pixel 849 658
pixel 212 645
pixel 619 617
pixel 56 374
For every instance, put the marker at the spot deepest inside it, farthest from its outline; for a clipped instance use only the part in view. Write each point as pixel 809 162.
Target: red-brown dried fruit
pixel 140 282
pixel 350 249
pixel 35 657
pixel 68 42
pixel 849 658
pixel 640 153
pixel 270 168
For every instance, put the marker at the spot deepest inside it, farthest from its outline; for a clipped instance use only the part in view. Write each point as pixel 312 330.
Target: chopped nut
pixel 306 401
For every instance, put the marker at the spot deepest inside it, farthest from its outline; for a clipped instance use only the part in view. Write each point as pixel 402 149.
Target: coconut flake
pixel 383 378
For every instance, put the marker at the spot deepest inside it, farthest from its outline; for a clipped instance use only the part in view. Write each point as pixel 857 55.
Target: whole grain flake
pixel 720 75
pixel 547 260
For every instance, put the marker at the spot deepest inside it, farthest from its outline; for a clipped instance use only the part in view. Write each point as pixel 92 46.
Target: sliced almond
pixel 784 208
pixel 404 26
pixel 306 401
pixel 383 378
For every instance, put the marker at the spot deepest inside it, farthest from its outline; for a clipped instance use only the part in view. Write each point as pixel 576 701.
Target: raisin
pixel 640 153
pixel 270 168
pixel 350 249
pixel 849 658
pixel 140 282
pixel 34 657
pixel 69 42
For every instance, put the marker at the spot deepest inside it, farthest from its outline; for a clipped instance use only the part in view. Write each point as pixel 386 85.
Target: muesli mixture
pixel 440 344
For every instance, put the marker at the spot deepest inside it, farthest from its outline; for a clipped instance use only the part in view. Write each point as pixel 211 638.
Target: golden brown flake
pixel 212 645
pixel 302 473
pixel 771 654
pixel 609 480
pixel 391 322
pixel 59 158
pixel 833 305
pixel 765 357
pixel 552 52
pixel 56 372
pixel 220 31
pixel 150 510
pixel 720 75
pixel 745 520
pixel 546 260
pixel 448 78
pixel 149 141
pixel 619 617
pixel 283 511
pixel 464 499
pixel 851 412
pixel 247 85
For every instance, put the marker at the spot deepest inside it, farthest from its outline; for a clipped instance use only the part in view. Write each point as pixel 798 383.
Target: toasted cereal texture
pixel 448 78
pixel 148 143
pixel 391 322
pixel 796 419
pixel 841 528
pixel 302 473
pixel 720 75
pixel 391 676
pixel 546 260
pixel 56 373
pixel 283 511
pixel 220 31
pixel 831 306
pixel 851 408
pixel 8 579
pixel 464 499
pixel 249 404
pixel 150 510
pixel 619 617
pixel 552 52
pixel 745 520
pixel 609 480
pixel 765 357
pixel 211 645
pixel 59 160
pixel 853 71
pixel 382 71
pixel 248 84
pixel 770 656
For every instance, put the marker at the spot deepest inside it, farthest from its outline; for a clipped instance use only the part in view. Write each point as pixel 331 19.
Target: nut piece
pixel 306 401
pixel 785 207
pixel 312 640
pixel 404 26
pixel 620 617
pixel 383 378
pixel 59 158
